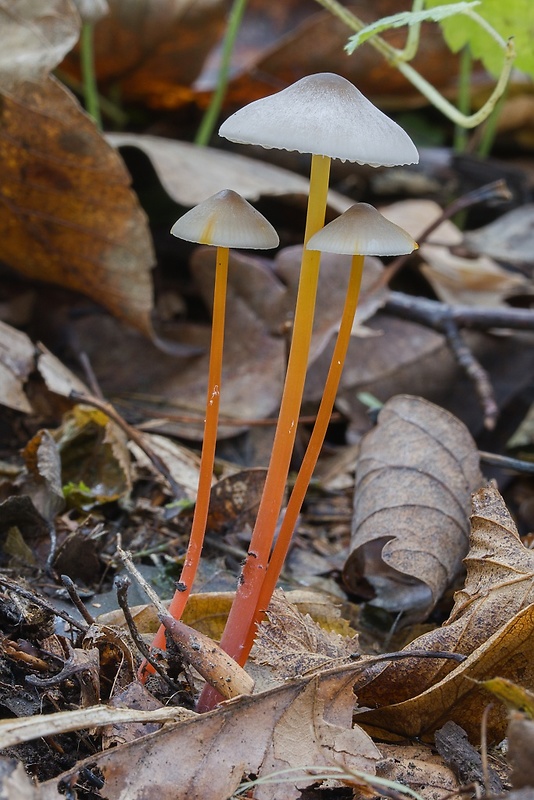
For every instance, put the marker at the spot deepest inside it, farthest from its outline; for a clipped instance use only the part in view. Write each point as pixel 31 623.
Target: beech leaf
pixel 410 531
pixel 498 586
pixel 302 723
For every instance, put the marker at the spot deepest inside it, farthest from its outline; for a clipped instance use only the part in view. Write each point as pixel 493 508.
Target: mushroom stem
pixel 313 449
pixel 207 458
pixel 244 606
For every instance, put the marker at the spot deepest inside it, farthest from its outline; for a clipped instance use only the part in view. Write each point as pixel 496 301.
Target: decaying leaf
pixel 410 531
pixel 509 652
pixel 494 606
pixel 456 278
pixel 17 360
pixel 68 215
pixel 292 644
pixel 302 723
pixel 520 735
pixel 508 238
pixel 190 174
pixel 94 456
pixel 43 485
pixel 418 767
pixel 35 38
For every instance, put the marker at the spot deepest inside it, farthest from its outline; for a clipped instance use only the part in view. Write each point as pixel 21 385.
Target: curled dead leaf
pixel 414 480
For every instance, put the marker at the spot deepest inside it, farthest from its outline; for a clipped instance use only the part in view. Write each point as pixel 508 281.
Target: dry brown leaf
pixel 508 653
pixel 418 767
pixel 456 278
pixel 189 173
pixel 293 644
pixel 68 215
pixel 35 37
pixel 520 736
pixel 154 49
pixel 508 238
pixel 499 583
pixel 17 361
pixel 414 479
pixel 302 723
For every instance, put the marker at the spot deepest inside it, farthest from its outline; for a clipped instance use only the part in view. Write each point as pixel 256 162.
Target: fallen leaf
pixel 414 478
pixel 508 238
pixel 498 585
pixel 95 460
pixel 43 483
pixel 15 782
pixel 183 464
pixel 17 361
pixel 190 174
pixel 302 723
pixel 154 49
pixel 456 278
pixel 417 766
pixel 509 653
pixel 292 644
pixel 35 38
pixel 68 215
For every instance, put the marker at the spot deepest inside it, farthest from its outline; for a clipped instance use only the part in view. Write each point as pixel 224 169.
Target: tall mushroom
pixel 224 220
pixel 324 115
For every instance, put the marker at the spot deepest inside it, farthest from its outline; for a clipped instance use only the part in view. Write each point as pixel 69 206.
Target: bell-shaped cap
pixel 362 230
pixel 326 115
pixel 226 220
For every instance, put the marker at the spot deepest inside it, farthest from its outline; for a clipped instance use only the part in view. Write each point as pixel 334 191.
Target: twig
pixel 474 371
pixel 122 582
pixel 506 462
pixel 132 434
pixel 42 603
pixel 496 191
pixel 448 319
pixel 76 600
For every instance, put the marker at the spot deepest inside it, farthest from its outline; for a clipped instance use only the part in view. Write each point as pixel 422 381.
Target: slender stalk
pixel 207 458
pixel 313 450
pixel 211 115
pixel 87 63
pixel 464 98
pixel 248 591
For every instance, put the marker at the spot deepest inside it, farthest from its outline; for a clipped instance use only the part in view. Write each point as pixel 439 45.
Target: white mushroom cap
pixel 362 230
pixel 226 220
pixel 326 115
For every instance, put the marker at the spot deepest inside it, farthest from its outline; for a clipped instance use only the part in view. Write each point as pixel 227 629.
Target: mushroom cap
pixel 362 230
pixel 226 220
pixel 326 115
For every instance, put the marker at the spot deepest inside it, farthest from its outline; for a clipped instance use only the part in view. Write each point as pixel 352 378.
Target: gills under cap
pixel 362 230
pixel 323 114
pixel 226 220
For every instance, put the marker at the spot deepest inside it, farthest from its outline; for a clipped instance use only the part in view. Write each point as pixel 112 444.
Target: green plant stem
pixel 464 98
pixel 489 130
pixel 211 115
pixel 252 576
pixel 87 63
pixel 394 57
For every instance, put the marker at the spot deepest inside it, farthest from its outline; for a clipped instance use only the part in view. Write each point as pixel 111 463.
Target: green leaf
pixel 434 14
pixel 508 17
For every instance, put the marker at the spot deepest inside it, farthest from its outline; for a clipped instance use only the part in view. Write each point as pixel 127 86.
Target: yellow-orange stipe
pixel 207 458
pixel 244 606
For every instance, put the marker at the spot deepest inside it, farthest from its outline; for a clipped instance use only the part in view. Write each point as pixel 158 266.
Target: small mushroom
pixel 324 115
pixel 360 231
pixel 224 220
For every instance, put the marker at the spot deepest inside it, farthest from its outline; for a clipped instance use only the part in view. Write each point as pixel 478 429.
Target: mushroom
pixel 324 115
pixel 360 231
pixel 224 220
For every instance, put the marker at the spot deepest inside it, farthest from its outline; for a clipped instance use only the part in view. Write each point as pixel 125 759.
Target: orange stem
pixel 313 450
pixel 244 606
pixel 207 458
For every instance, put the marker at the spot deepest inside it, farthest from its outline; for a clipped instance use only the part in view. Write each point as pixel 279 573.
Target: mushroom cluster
pixel 326 116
